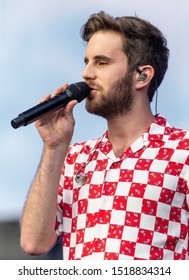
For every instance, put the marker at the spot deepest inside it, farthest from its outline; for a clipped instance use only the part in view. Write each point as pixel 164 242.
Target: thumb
pixel 68 111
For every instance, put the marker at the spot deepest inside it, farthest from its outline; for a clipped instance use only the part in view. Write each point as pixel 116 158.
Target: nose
pixel 88 72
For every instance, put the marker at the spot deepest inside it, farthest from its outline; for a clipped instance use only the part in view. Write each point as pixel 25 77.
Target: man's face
pixel 106 73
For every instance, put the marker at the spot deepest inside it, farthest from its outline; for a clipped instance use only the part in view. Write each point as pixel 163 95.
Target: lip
pixel 92 86
pixel 93 91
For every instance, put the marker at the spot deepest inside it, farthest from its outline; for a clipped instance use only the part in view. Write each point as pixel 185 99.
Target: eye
pixel 85 61
pixel 102 62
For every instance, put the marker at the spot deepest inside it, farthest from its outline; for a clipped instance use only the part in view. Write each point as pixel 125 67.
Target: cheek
pixel 107 78
pixel 115 74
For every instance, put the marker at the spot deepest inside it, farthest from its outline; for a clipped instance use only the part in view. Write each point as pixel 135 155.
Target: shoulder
pixel 83 147
pixel 79 152
pixel 181 136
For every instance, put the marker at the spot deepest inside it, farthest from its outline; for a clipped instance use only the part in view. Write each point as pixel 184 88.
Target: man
pixel 124 195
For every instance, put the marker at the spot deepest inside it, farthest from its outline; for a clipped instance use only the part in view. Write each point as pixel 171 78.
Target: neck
pixel 123 130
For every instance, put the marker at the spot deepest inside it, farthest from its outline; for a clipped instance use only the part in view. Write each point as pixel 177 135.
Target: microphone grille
pixel 79 90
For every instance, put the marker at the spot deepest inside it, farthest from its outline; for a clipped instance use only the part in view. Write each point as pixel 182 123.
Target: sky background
pixel 41 48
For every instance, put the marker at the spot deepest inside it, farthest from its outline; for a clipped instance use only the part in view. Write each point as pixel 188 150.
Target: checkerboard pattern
pixel 133 207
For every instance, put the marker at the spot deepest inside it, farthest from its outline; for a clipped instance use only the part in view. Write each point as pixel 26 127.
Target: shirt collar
pixel 158 132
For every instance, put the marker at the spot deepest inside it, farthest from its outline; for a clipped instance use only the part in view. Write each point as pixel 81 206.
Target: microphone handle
pixel 40 110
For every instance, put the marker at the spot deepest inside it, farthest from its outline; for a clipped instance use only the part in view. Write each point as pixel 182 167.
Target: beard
pixel 113 102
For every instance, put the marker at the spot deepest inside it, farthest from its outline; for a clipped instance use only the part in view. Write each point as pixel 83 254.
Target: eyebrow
pixel 99 57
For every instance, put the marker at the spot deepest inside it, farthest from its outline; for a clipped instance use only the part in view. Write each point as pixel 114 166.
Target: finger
pixel 47 97
pixel 56 92
pixel 68 111
pixel 69 107
pixel 60 89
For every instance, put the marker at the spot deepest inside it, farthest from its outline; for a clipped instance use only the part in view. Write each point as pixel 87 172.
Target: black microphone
pixel 78 91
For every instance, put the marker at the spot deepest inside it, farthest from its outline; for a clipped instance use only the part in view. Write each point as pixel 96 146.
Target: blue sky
pixel 41 49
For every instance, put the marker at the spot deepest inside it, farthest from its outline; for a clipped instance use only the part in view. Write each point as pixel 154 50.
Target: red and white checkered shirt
pixel 133 207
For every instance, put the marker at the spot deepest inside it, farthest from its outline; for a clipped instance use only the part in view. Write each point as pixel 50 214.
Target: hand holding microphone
pixel 78 91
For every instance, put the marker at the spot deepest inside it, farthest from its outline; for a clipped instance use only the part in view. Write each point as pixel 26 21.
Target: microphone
pixel 81 178
pixel 78 91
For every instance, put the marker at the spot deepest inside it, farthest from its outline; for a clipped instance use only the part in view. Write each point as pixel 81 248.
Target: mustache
pixel 94 86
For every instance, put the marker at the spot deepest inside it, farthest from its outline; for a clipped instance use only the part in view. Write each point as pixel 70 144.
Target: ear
pixel 143 76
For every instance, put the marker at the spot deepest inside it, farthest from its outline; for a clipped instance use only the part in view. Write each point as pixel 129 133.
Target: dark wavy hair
pixel 143 43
